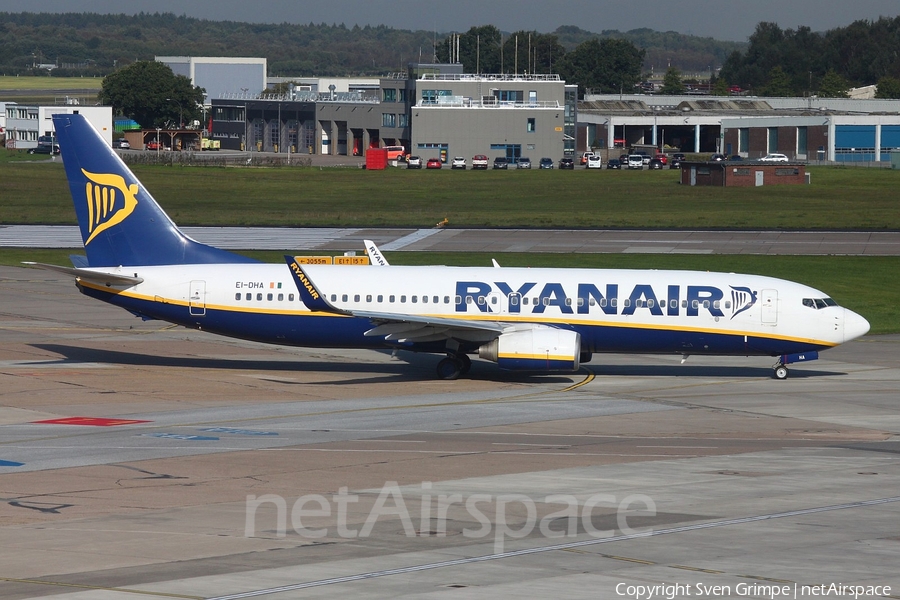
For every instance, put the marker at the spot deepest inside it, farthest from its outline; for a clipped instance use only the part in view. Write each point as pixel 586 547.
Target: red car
pixel 662 158
pixel 433 163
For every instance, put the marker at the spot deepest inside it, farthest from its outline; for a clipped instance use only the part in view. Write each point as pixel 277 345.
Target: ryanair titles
pixel 531 298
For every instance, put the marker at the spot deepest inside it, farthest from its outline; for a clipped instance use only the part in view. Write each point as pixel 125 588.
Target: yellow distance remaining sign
pixel 351 260
pixel 313 260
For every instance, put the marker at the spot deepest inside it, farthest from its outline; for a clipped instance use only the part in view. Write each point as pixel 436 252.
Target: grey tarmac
pixel 708 472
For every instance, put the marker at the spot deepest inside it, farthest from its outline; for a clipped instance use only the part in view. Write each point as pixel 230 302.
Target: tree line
pixel 93 44
pixel 800 62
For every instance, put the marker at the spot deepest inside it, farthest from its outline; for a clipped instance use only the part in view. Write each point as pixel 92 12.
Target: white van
pixel 635 161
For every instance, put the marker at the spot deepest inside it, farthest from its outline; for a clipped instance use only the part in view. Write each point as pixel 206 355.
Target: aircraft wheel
pixel 449 369
pixel 780 372
pixel 465 363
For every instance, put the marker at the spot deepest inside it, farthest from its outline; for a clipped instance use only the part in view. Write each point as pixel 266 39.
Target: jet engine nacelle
pixel 538 348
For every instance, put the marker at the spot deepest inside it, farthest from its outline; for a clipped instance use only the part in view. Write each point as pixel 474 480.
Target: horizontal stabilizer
pixel 106 279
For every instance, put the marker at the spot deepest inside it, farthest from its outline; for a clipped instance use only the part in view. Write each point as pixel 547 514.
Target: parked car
pixel 718 157
pixel 644 157
pixel 121 144
pixel 595 162
pixel 679 156
pixel 635 161
pixel 523 163
pixel 735 158
pixel 774 158
pixel 434 163
pixel 414 162
pixel 675 160
pixel 153 145
pixel 479 161
pixel 656 164
pixel 585 156
pixel 623 158
pixel 458 162
pixel 45 149
pixel 501 163
pixel 567 162
pixel 614 163
pixel 546 163
pixel 662 158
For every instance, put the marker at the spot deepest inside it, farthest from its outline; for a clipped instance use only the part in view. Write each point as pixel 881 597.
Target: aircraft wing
pixel 397 326
pixel 106 279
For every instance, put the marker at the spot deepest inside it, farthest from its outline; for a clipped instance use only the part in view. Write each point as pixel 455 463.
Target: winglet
pixel 309 293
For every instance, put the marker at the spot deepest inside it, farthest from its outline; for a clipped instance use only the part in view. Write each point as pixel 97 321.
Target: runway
pixel 143 460
pixel 864 243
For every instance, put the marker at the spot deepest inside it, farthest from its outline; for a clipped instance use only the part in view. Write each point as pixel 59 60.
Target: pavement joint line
pixel 101 588
pixel 555 547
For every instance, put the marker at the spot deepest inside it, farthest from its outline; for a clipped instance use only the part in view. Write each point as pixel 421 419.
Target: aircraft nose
pixel 854 325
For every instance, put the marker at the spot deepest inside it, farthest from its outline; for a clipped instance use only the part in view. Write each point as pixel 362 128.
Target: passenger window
pixel 424 299
pixel 481 300
pixel 525 300
pixel 391 298
pixel 356 298
pixel 581 302
pixel 249 296
pixel 546 301
pixel 379 298
pixel 673 303
pixel 513 300
pixel 651 303
pixel 715 304
pixel 684 303
pixel 436 299
pixel 457 299
pixel 446 299
pixel 728 304
pixel 344 298
pixel 493 299
pixel 468 299
pixel 269 297
pixel 695 304
pixel 402 299
pixel 259 296
pixel 333 297
pixel 614 302
pixel 290 297
pixel 237 296
pixel 368 297
pixel 281 297
pixel 415 299
pixel 627 302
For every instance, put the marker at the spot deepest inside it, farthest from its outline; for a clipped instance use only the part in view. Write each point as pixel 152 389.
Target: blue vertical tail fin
pixel 120 222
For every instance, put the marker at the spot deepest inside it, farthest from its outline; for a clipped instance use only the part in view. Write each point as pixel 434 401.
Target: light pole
pixel 180 112
pixel 158 141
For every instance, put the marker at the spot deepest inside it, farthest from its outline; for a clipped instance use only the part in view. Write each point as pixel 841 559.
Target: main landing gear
pixel 453 366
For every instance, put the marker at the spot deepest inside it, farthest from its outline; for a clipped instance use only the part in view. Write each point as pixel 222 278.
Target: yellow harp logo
pixel 109 201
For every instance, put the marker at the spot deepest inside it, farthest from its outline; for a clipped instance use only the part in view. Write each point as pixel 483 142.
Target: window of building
pixel 744 139
pixel 530 126
pixel 402 97
pixel 403 120
pixel 431 96
pixel 389 95
pixel 388 120
pixel 516 96
pixel 773 139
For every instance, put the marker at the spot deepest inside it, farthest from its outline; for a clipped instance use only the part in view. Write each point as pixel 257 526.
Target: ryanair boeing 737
pixel 522 319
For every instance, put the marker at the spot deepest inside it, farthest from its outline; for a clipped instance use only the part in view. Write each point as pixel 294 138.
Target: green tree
pixel 778 85
pixel 888 87
pixel 720 88
pixel 151 94
pixel 672 82
pixel 479 49
pixel 608 65
pixel 833 85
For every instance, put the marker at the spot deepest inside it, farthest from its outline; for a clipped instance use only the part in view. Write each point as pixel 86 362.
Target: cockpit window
pixel 818 303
